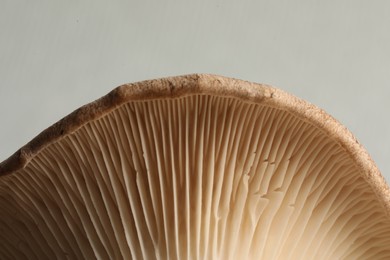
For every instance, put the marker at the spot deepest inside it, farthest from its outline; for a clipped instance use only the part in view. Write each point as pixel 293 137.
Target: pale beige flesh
pixel 194 167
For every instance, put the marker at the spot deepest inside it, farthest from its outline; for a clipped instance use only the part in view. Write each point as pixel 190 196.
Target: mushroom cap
pixel 194 167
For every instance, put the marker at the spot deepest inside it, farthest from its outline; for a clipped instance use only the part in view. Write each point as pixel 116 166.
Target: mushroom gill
pixel 194 167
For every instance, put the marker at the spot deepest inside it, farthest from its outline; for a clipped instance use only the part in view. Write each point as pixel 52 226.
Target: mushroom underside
pixel 194 177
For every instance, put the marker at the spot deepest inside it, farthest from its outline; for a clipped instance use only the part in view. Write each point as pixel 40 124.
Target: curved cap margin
pixel 180 86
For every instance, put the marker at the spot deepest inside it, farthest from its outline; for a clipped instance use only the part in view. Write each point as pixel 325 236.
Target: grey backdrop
pixel 58 55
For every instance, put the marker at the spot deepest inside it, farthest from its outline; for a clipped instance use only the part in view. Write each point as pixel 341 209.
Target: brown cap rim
pixel 180 86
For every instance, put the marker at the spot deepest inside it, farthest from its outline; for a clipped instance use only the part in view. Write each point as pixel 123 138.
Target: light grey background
pixel 58 55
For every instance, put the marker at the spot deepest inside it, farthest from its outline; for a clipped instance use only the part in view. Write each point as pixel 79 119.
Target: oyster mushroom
pixel 194 167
